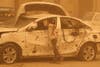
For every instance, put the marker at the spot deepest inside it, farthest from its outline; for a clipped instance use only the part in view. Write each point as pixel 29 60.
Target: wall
pixel 98 6
pixel 85 6
pixel 6 3
pixel 71 6
pixel 76 8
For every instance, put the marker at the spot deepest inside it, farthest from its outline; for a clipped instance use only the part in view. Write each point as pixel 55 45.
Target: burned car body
pixel 74 39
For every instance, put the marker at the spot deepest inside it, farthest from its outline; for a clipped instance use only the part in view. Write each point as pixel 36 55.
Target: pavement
pixel 47 62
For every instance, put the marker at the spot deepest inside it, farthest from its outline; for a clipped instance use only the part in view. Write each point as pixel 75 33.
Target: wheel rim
pixel 88 53
pixel 9 55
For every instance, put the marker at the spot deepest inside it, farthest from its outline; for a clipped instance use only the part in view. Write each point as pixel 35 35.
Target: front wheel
pixel 87 52
pixel 8 54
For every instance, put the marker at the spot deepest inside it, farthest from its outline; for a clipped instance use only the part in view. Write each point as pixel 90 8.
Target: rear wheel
pixel 87 52
pixel 9 54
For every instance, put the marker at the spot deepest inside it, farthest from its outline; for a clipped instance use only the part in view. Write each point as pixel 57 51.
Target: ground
pixel 44 62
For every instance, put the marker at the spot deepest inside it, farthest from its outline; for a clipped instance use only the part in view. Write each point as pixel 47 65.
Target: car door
pixel 73 34
pixel 37 40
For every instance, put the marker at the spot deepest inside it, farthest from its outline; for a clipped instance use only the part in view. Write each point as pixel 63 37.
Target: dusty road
pixel 68 62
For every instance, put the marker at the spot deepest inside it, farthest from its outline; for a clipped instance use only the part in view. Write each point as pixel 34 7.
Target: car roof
pixel 52 15
pixel 44 16
pixel 41 17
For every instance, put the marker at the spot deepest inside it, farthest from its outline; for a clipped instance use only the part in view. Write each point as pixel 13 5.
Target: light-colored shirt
pixel 52 31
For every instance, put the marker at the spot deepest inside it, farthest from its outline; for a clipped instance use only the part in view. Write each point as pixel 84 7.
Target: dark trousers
pixel 55 50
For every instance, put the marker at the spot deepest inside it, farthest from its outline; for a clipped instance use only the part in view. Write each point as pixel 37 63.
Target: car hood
pixel 4 30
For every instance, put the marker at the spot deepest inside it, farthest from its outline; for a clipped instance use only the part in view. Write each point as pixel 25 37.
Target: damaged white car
pixel 31 39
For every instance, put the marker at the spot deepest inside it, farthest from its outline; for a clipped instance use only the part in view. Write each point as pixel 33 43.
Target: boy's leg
pixel 55 50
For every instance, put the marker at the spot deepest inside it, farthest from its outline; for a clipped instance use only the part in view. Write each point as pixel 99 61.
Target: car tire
pixel 9 53
pixel 87 52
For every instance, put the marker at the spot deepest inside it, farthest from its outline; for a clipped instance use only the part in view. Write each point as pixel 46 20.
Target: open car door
pixel 73 33
pixel 37 39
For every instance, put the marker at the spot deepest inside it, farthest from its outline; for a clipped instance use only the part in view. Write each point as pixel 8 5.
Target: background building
pixel 77 8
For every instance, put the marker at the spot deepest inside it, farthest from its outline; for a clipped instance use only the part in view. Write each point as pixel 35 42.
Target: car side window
pixel 43 24
pixel 68 23
pixel 77 24
pixel 40 26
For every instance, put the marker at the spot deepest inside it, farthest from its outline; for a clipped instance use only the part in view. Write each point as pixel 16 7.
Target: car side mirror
pixel 31 27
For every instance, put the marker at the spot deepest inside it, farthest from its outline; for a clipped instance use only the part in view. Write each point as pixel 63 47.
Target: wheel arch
pixel 14 44
pixel 88 43
pixel 93 44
